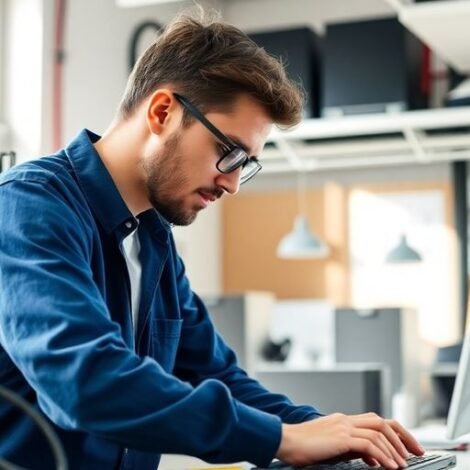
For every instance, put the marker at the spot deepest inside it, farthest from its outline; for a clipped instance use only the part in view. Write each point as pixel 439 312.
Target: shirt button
pixel 129 224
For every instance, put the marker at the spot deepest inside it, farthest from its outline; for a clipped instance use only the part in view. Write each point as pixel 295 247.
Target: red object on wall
pixel 57 85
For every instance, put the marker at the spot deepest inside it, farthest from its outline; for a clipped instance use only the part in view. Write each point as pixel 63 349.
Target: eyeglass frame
pixel 228 143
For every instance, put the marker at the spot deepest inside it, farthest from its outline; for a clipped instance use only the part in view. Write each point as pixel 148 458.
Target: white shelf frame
pixel 370 140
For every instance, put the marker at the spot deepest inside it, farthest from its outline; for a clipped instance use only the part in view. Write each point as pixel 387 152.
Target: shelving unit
pixel 428 136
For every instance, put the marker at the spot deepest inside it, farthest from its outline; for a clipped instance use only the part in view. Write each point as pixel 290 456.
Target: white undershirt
pixel 131 246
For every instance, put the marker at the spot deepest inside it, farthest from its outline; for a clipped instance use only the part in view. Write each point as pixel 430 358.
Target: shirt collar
pixel 96 182
pixel 102 193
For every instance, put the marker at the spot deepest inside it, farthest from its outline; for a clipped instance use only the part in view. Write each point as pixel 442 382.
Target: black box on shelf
pixel 372 66
pixel 299 50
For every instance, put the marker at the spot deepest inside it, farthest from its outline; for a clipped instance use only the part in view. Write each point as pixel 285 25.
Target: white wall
pixel 23 74
pixel 2 46
pixel 97 36
pixel 200 246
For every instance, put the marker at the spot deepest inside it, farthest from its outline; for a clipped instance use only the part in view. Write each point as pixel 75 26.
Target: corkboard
pixel 253 224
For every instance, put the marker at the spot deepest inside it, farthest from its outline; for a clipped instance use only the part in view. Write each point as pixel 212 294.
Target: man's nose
pixel 229 182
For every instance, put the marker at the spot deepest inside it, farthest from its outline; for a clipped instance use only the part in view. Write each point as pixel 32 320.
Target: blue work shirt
pixel 116 397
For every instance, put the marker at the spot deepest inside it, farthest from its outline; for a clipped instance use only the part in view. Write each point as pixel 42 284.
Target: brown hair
pixel 211 63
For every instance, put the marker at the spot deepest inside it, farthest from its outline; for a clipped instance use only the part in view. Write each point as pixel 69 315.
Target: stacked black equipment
pixel 299 51
pixel 372 66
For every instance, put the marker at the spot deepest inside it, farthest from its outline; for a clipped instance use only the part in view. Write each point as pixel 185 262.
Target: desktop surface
pixel 172 462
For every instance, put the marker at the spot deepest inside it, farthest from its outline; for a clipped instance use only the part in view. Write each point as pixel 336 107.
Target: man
pixel 99 328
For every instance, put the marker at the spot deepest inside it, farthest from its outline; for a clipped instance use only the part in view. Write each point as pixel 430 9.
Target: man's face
pixel 181 174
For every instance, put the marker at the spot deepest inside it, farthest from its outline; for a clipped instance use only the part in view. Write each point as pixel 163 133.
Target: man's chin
pixel 182 220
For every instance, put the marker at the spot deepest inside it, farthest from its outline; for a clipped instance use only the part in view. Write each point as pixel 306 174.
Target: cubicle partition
pixel 347 388
pixel 383 335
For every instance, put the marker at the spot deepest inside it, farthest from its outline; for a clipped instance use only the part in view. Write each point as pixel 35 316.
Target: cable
pixel 133 45
pixel 7 160
pixel 57 78
pixel 44 426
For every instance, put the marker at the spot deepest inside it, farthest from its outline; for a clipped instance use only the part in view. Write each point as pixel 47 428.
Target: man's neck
pixel 120 149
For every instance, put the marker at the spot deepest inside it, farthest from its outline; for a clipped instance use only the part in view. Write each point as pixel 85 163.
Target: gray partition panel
pixel 243 321
pixel 350 391
pixel 375 336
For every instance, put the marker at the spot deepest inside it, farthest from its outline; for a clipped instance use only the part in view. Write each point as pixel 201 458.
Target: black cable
pixel 136 35
pixel 7 160
pixel 44 426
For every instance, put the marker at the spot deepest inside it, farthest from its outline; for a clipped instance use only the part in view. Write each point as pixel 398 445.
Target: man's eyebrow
pixel 237 141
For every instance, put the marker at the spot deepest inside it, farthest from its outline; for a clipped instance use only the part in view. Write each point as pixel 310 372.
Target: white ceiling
pixel 266 14
pixel 443 26
pixel 259 14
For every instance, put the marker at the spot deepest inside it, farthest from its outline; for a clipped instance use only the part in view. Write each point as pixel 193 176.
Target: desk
pixel 183 462
pixel 179 462
pixel 463 460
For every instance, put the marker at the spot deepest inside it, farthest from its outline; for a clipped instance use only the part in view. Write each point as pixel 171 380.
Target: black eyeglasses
pixel 234 156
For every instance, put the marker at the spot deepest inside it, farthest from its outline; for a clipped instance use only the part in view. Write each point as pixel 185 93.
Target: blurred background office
pixel 343 265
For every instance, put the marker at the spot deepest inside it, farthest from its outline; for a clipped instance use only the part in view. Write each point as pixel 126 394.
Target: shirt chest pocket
pixel 165 340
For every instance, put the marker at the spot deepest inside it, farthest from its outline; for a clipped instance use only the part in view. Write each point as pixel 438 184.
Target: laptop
pixel 428 461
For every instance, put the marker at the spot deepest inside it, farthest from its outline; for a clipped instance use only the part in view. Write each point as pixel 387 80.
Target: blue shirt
pixel 116 400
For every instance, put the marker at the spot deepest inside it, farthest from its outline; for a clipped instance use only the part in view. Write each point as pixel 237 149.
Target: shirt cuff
pixel 256 436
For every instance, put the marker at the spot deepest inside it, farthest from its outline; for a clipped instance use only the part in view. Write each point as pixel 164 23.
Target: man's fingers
pixel 370 461
pixel 382 443
pixel 371 451
pixel 392 430
pixel 410 442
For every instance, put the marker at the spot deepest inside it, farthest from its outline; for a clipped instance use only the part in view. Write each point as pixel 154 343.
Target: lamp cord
pixel 44 426
pixel 302 193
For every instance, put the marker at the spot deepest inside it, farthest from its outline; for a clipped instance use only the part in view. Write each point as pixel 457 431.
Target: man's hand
pixel 367 436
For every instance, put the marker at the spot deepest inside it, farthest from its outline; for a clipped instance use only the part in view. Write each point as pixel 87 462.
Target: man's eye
pixel 221 150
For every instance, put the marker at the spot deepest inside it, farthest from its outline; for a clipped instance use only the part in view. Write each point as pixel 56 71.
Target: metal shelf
pixel 409 137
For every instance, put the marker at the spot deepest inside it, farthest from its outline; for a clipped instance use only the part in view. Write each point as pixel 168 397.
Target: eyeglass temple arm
pixel 197 114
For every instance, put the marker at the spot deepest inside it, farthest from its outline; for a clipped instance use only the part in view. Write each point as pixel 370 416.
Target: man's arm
pixel 55 326
pixel 204 354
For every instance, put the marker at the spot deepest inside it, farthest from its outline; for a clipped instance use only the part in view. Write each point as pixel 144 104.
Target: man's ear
pixel 159 108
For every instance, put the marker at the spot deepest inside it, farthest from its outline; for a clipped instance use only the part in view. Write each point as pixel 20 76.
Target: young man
pixel 99 328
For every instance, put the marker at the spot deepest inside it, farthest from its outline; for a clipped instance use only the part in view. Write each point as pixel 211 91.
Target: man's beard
pixel 164 176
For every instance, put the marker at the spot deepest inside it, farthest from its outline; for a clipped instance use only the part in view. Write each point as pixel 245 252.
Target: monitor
pixel 458 422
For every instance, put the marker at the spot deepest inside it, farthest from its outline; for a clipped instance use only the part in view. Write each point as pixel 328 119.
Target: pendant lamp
pixel 403 253
pixel 301 242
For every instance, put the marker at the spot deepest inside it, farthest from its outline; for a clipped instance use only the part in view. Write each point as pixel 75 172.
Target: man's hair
pixel 212 63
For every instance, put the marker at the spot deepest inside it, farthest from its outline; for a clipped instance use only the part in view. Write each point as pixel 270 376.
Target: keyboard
pixel 424 462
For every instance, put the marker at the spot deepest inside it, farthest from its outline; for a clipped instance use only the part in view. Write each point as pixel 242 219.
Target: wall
pixel 424 212
pixel 2 53
pixel 96 69
pixel 253 224
pixel 200 246
pixel 24 75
